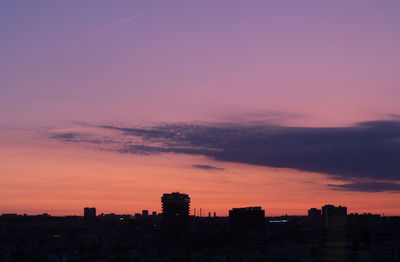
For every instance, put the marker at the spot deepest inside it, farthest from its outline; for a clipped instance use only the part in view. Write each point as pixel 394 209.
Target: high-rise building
pixel 314 218
pixel 145 213
pixel 247 218
pixel 175 209
pixel 334 217
pixel 89 212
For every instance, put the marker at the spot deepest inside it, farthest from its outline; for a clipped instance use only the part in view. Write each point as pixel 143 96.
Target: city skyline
pixel 246 234
pixel 270 103
pixel 171 206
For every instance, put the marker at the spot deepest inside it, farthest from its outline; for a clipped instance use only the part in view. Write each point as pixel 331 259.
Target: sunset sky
pixel 286 105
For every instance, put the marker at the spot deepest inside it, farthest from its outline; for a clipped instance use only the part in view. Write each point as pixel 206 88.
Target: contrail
pixel 98 31
pixel 110 26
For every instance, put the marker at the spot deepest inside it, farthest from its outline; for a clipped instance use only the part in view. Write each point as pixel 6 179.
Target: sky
pixel 286 105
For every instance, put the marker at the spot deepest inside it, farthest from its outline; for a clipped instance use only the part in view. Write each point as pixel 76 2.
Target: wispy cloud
pixel 208 167
pixel 78 137
pixel 261 117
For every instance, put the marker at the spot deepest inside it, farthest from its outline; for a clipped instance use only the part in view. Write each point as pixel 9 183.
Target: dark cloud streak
pixel 375 186
pixel 368 150
pixel 76 137
pixel 208 167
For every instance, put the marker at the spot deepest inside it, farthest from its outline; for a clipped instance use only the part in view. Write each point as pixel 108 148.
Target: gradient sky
pixel 87 87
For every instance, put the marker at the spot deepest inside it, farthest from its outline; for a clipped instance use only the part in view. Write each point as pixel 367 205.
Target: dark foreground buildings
pixel 246 235
pixel 247 218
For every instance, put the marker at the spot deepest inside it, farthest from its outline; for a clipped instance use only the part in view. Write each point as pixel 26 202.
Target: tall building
pixel 247 218
pixel 334 217
pixel 89 212
pixel 175 209
pixel 314 218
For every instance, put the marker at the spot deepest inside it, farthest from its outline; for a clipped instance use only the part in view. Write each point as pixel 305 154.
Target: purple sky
pixel 315 62
pixel 293 100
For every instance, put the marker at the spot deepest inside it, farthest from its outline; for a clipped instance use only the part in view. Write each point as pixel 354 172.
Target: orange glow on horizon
pixel 40 175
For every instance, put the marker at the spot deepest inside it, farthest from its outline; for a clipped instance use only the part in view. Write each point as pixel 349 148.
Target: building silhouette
pixel 89 212
pixel 247 218
pixel 175 210
pixel 314 218
pixel 334 217
pixel 314 212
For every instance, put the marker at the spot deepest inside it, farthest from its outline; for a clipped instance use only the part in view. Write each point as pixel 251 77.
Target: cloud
pixel 77 137
pixel 375 186
pixel 67 137
pixel 394 116
pixel 207 167
pixel 259 117
pixel 367 150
